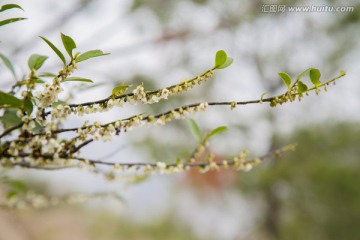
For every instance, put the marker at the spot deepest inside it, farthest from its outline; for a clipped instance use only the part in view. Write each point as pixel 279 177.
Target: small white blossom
pixel 161 165
pixel 165 93
pixel 160 122
pixel 110 103
pixel 203 106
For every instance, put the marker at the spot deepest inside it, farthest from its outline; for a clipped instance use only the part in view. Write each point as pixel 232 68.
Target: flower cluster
pixel 49 94
pixel 178 113
pixel 238 163
pixel 29 123
pixel 104 132
pixel 138 95
pixel 30 199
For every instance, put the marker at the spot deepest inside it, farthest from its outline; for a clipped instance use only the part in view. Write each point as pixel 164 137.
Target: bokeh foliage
pixel 312 193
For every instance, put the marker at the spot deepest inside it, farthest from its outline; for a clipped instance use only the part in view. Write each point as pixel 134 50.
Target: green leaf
pixel 90 54
pixel 195 129
pixel 55 49
pixel 68 43
pixel 11 193
pixel 77 79
pixel 315 76
pixel 9 101
pixel 10 20
pixel 27 105
pixel 8 64
pixel 220 58
pixel 286 78
pixel 302 87
pixel 36 61
pixel 118 90
pixel 9 6
pixel 140 178
pixel 10 118
pixel 303 73
pixel 58 102
pixel 16 187
pixel 47 74
pixel 263 95
pixel 38 127
pixel 227 63
pixel 342 72
pixel 39 81
pixel 217 131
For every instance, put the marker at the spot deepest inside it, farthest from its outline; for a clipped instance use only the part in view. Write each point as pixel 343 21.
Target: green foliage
pixel 216 131
pixel 286 78
pixel 27 105
pixel 48 118
pixel 55 49
pixel 9 101
pixel 299 87
pixel 36 61
pixel 118 90
pixel 302 87
pixel 315 76
pixel 10 118
pixel 195 129
pixel 90 54
pixel 10 20
pixel 69 44
pixel 203 137
pixel 8 64
pixel 16 187
pixel 77 79
pixel 302 74
pixel 9 6
pixel 222 60
pixel 314 187
pixel 47 74
pixel 263 95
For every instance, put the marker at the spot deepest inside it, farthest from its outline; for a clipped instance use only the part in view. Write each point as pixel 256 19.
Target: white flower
pixel 106 137
pixel 118 124
pixel 247 167
pixel 87 110
pixel 119 102
pixel 54 113
pixel 31 125
pixel 203 106
pixel 160 122
pixel 132 100
pixel 95 108
pixel 161 165
pixel 110 103
pixel 153 99
pixel 139 93
pixel 111 128
pixel 49 94
pixel 80 110
pixel 165 93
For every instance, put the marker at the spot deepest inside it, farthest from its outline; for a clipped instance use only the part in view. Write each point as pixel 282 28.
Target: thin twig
pixel 8 131
pixel 81 146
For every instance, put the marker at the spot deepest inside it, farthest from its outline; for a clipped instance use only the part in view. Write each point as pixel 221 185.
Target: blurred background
pixel 311 193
